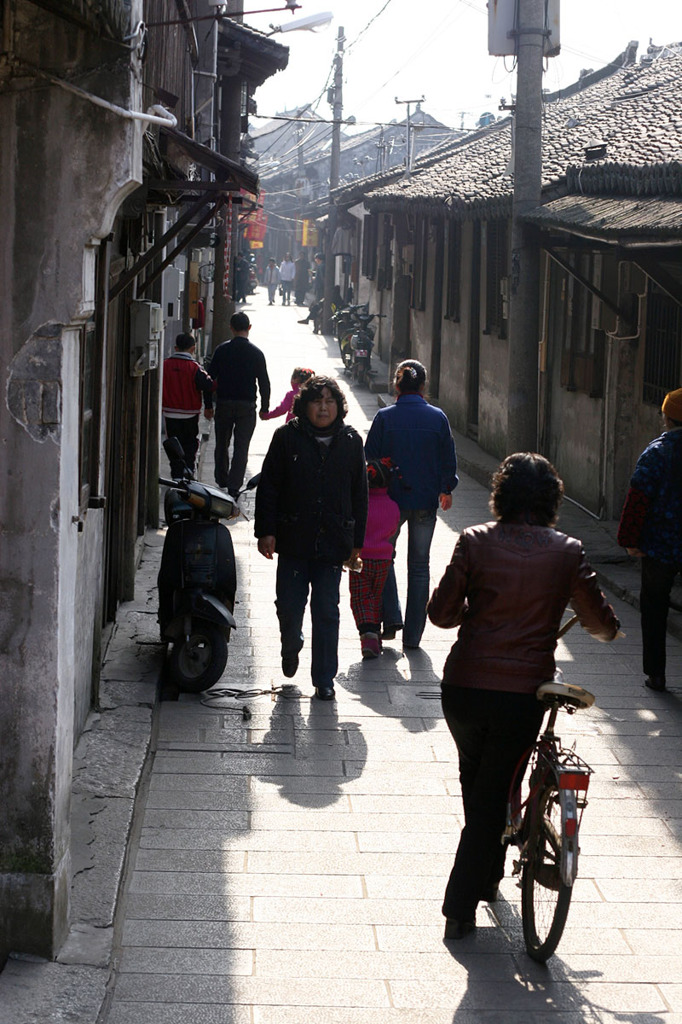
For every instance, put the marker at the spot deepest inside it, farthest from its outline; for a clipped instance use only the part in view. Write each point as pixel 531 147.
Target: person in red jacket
pixel 184 384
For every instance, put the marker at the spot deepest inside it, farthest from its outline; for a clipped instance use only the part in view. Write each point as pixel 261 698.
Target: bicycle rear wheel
pixel 545 898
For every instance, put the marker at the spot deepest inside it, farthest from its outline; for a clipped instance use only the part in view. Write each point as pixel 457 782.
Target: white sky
pixel 439 49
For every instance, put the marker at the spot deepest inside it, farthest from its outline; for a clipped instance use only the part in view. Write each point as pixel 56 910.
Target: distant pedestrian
pixel 271 279
pixel 651 529
pixel 418 438
pixel 185 383
pixel 237 367
pixel 367 584
pixel 242 274
pixel 287 273
pixel 301 279
pixel 311 509
pixel 318 275
pixel 286 407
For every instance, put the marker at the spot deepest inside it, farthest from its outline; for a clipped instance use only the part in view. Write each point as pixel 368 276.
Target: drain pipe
pixel 155 115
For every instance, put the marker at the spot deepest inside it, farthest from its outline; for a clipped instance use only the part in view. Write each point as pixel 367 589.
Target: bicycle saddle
pixel 565 693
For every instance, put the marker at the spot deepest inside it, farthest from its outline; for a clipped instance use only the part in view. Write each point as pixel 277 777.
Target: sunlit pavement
pixel 289 868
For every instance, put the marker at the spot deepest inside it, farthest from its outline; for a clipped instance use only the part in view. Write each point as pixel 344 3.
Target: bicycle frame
pixel 549 763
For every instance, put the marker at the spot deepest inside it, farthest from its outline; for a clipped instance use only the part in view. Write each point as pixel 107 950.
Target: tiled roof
pixel 636 112
pixel 636 220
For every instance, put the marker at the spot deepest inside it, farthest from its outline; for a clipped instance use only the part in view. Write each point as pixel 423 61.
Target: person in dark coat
pixel 506 587
pixel 311 509
pixel 650 529
pixel 301 280
pixel 238 368
pixel 242 272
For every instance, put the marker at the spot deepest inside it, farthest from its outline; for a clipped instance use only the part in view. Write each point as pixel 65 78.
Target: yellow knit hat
pixel 672 405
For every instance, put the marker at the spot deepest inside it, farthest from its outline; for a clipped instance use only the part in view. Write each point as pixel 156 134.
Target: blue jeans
pixel 239 417
pixel 421 522
pixel 295 576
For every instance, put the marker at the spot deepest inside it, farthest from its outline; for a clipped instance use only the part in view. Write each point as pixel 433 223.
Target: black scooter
pixel 197 580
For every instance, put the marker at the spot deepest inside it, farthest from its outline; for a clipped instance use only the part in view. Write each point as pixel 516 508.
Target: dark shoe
pixel 455 929
pixel 303 321
pixel 325 692
pixel 389 632
pixel 289 665
pixel 656 683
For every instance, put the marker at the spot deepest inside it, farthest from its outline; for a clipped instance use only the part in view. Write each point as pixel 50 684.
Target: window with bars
pixel 421 242
pixel 370 238
pixel 496 271
pixel 453 241
pixel 575 320
pixel 662 345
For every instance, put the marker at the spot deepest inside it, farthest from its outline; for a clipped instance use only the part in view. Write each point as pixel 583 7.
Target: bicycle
pixel 546 824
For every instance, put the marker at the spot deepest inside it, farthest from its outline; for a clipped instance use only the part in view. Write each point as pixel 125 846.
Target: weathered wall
pixel 64 167
pixel 493 392
pixel 455 351
pixel 575 444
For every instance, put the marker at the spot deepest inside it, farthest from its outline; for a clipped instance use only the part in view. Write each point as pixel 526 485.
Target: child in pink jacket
pixel 298 378
pixel 367 584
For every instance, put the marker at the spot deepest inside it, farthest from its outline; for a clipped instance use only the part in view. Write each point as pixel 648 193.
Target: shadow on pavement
pixel 329 752
pixel 399 684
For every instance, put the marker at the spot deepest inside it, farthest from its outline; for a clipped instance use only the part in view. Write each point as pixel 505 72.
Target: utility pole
pixel 522 412
pixel 334 174
pixel 408 158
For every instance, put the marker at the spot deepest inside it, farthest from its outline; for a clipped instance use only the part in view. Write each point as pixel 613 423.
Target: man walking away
pixel 287 273
pixel 184 383
pixel 236 367
pixel 651 529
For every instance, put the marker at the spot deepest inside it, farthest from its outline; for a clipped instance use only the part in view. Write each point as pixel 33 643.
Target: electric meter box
pixel 146 329
pixel 502 28
pixel 173 284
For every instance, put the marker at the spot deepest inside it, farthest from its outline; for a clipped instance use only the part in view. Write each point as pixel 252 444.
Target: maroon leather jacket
pixel 507 587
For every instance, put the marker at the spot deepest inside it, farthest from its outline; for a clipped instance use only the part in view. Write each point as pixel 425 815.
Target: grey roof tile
pixel 636 111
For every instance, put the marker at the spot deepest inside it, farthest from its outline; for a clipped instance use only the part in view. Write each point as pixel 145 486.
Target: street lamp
pixel 308 22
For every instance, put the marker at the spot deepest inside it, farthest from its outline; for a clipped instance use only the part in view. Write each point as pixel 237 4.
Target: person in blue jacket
pixel 418 438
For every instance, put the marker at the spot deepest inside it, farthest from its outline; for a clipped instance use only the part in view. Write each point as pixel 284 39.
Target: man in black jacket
pixel 237 366
pixel 311 508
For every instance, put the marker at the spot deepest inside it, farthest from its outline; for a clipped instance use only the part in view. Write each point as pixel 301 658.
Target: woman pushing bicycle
pixel 506 587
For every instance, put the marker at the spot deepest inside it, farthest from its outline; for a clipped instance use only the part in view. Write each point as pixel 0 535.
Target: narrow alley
pixel 290 867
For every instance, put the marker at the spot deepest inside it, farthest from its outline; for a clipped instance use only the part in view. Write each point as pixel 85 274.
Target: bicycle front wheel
pixel 545 898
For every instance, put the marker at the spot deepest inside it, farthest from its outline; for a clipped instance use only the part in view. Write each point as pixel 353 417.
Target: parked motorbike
pixel 358 350
pixel 345 325
pixel 197 579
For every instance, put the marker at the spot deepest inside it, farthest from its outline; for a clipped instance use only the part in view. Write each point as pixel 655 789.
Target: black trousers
pixel 493 730
pixel 187 433
pixel 654 602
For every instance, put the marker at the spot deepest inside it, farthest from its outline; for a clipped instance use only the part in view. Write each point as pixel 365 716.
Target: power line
pixel 367 26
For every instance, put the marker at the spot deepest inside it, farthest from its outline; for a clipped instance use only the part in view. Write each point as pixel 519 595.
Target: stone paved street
pixel 290 868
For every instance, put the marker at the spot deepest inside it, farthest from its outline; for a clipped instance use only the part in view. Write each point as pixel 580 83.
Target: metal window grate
pixel 663 341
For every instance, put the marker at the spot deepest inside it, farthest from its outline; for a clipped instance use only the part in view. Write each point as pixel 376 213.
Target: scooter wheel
pixel 197 662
